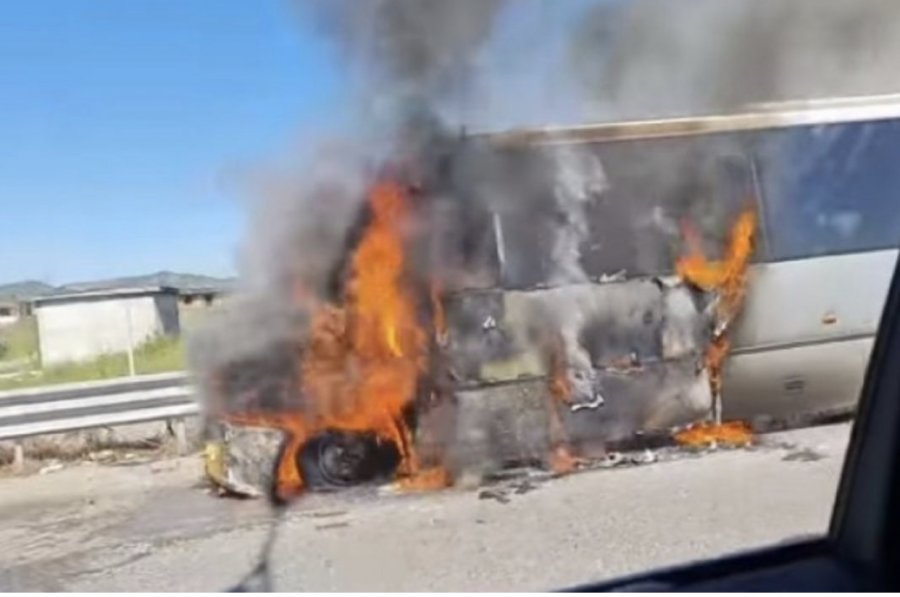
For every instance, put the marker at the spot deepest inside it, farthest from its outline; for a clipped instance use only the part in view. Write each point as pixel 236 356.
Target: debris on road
pixel 102 456
pixel 51 468
pixel 332 525
pixel 494 494
pixel 803 455
pixel 517 473
pixel 646 457
pixel 610 460
pixel 325 513
pixel 523 487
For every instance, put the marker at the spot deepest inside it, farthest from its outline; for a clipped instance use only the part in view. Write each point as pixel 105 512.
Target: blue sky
pixel 120 123
pixel 124 124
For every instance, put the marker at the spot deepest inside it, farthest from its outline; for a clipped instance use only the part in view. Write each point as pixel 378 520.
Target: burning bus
pixel 539 296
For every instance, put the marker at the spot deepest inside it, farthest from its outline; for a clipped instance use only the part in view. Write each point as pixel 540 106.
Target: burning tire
pixel 341 459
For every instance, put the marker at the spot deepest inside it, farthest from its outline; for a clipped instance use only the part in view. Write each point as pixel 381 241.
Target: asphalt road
pixel 152 527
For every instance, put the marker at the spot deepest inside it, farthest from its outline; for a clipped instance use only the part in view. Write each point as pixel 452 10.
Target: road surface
pixel 153 527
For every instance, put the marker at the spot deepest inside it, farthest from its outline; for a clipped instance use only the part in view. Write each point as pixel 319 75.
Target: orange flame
pixel 387 342
pixel 732 433
pixel 562 462
pixel 363 359
pixel 728 278
pixel 384 310
pixel 561 459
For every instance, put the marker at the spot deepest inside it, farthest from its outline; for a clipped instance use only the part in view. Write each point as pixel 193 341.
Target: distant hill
pixel 25 289
pixel 28 289
pixel 164 278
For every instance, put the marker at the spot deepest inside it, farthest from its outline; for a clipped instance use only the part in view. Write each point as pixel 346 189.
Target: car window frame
pixel 866 516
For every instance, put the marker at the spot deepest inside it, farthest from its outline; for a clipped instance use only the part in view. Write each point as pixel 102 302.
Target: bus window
pixel 635 200
pixel 655 188
pixel 830 189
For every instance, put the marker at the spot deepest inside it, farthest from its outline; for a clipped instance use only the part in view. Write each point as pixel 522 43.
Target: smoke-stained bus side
pixel 826 197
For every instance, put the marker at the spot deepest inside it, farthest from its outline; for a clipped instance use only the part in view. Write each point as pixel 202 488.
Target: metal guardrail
pixel 69 407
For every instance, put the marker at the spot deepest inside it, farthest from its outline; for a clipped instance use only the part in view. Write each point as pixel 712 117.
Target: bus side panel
pixel 804 338
pixel 796 383
pixel 819 299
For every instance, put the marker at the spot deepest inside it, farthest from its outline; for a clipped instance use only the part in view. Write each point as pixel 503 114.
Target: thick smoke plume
pixel 409 60
pixel 419 69
pixel 289 261
pixel 641 58
pixel 411 57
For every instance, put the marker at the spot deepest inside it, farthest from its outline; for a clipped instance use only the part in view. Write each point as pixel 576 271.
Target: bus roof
pixel 754 117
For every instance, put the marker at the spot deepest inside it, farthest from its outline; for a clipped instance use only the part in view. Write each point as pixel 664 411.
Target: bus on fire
pixel 694 278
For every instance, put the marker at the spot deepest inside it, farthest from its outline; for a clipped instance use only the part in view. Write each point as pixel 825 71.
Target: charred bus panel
pixel 825 193
pixel 583 261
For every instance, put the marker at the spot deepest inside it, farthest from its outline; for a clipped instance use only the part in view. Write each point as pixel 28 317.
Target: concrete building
pixel 83 325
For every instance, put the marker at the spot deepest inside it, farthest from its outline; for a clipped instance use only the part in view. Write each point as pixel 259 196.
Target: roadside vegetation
pixel 165 353
pixel 18 343
pixel 20 362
